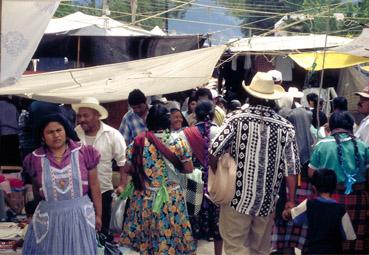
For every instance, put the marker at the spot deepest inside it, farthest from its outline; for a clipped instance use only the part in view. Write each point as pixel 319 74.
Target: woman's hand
pixel 119 190
pixel 289 205
pixel 286 214
pixel 98 223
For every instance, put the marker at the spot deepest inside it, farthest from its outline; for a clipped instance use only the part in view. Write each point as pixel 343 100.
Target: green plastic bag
pixel 127 192
pixel 161 198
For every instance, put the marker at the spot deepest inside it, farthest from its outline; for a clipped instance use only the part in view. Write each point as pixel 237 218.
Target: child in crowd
pixel 329 224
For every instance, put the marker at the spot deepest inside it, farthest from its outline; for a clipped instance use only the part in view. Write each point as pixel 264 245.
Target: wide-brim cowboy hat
pixel 262 86
pixel 93 103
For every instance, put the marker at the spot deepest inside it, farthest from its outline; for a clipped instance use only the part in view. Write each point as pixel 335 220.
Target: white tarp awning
pixel 80 24
pixel 286 43
pixel 22 26
pixel 108 83
pixel 358 47
pixel 351 80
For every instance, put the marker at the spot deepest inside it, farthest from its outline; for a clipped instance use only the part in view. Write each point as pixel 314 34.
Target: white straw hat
pixel 262 86
pixel 293 91
pixel 93 103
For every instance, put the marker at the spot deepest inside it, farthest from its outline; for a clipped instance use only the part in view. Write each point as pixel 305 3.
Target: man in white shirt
pixel 108 141
pixel 363 107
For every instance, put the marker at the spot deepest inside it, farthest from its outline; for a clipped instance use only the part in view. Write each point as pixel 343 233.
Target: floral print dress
pixel 167 232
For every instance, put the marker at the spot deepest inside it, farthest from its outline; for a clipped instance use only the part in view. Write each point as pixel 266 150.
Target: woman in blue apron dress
pixel 64 221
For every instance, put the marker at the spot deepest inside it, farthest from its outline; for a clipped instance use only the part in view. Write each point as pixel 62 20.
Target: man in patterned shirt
pixel 264 147
pixel 134 121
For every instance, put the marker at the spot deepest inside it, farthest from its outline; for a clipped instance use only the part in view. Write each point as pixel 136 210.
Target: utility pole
pixel 166 25
pixel 105 8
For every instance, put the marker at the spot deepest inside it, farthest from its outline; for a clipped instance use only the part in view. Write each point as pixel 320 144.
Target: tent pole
pixel 322 73
pixel 78 50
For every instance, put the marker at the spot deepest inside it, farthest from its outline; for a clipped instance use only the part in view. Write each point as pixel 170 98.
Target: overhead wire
pixel 229 27
pixel 175 19
pixel 257 21
pixel 161 13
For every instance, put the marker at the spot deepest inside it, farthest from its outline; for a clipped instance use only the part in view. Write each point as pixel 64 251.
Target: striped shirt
pixel 264 147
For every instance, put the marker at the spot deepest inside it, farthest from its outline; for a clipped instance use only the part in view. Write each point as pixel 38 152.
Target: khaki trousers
pixel 244 234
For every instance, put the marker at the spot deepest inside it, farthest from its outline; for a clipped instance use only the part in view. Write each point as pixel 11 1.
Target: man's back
pixel 131 126
pixel 301 119
pixel 264 146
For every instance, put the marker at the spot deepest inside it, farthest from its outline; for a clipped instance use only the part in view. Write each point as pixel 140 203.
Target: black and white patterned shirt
pixel 264 146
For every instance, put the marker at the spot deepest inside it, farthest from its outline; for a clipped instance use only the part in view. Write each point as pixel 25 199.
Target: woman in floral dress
pixel 154 226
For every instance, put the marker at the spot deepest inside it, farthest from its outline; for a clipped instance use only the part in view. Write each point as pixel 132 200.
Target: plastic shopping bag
pixel 117 214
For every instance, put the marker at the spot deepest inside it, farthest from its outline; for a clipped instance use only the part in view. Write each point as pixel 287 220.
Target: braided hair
pixel 205 112
pixel 342 122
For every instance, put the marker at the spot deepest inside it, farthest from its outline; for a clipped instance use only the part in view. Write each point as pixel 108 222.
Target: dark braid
pixel 356 150
pixel 343 122
pixel 207 141
pixel 206 136
pixel 339 149
pixel 349 177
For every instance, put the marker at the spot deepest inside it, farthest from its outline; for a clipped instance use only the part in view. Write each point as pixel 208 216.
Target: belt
pixel 355 187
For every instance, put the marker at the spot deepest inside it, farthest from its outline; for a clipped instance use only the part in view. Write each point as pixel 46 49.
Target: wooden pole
pixel 78 50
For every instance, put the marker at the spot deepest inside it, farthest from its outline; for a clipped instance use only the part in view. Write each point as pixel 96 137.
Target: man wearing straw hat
pixel 108 141
pixel 363 108
pixel 264 147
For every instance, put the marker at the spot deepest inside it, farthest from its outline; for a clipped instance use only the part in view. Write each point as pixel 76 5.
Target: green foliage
pixel 121 10
pixel 320 13
pixel 255 13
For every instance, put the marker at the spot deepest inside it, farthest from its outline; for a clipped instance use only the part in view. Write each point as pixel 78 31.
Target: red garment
pixel 139 176
pixel 196 142
pixel 16 183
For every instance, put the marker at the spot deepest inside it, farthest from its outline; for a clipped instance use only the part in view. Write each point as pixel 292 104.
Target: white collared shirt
pixel 363 131
pixel 110 143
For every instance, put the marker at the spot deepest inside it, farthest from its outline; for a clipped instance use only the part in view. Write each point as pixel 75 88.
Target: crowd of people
pixel 301 175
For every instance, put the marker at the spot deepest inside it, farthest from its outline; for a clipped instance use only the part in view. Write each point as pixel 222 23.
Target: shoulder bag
pixel 222 183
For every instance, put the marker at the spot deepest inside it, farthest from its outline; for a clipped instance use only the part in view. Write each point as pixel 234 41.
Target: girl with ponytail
pixel 348 157
pixel 205 224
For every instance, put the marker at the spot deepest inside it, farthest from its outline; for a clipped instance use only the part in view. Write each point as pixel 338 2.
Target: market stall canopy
pixel 332 60
pixel 358 47
pixel 80 24
pixel 268 44
pixel 22 26
pixel 353 53
pixel 108 83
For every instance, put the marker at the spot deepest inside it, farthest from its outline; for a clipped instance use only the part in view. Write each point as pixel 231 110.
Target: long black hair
pixel 343 122
pixel 205 112
pixel 254 101
pixel 204 109
pixel 158 118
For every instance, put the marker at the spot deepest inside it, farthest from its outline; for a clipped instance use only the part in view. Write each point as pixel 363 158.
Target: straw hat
pixel 364 92
pixel 294 92
pixel 93 103
pixel 262 86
